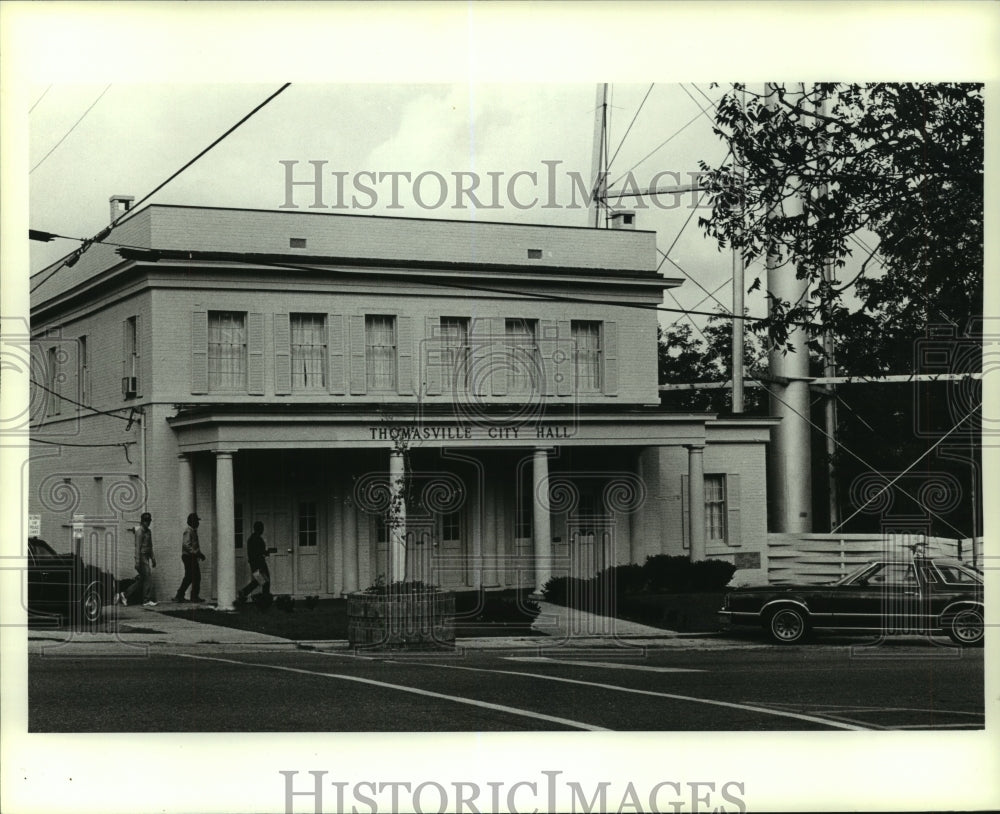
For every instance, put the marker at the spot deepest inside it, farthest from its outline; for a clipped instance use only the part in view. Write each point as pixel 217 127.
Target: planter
pixel 420 620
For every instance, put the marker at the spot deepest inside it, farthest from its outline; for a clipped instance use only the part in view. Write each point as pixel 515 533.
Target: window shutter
pixel 404 355
pixel 282 355
pixel 335 351
pixel 482 362
pixel 548 334
pixel 609 353
pixel 125 351
pixel 499 359
pixel 138 354
pixel 685 515
pixel 358 369
pixel 733 510
pixel 255 354
pixel 565 360
pixel 199 352
pixel 430 358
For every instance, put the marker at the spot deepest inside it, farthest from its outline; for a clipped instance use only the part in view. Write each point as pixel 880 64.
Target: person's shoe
pixel 118 597
pixel 124 600
pixel 179 598
pixel 150 604
pixel 197 599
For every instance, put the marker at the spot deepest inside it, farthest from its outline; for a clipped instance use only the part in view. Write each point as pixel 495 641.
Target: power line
pixel 37 383
pixel 70 130
pixel 99 237
pixel 232 129
pixel 629 128
pixel 39 98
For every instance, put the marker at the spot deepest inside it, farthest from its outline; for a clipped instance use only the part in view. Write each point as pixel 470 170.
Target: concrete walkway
pixel 136 628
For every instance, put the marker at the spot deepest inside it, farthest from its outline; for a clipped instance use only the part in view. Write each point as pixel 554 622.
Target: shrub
pixel 666 573
pixel 711 575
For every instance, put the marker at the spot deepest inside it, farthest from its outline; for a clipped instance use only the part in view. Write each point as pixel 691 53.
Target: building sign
pixel 747 559
pixel 442 432
pixel 34 525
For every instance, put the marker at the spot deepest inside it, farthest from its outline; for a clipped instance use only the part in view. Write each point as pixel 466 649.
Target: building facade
pixel 469 404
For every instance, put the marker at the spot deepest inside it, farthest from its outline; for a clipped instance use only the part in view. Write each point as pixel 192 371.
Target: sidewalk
pixel 137 627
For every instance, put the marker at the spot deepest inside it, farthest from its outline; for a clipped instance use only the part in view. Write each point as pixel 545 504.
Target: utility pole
pixel 599 161
pixel 789 470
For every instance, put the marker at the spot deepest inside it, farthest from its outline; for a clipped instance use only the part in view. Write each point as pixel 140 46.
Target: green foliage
pixel 890 177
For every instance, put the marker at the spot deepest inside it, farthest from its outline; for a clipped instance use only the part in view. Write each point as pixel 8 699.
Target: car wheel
pixel 965 627
pixel 787 626
pixel 91 605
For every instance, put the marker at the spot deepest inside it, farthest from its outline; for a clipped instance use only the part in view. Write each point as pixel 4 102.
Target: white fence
pixel 817 558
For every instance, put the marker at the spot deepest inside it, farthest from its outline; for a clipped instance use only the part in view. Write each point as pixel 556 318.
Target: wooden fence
pixel 817 558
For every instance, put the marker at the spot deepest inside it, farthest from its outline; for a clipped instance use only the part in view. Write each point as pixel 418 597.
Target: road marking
pixel 416 691
pixel 730 704
pixel 936 726
pixel 609 664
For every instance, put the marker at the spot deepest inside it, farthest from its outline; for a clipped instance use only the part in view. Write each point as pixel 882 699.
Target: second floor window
pixel 227 350
pixel 84 371
pixel 522 353
pixel 54 383
pixel 587 353
pixel 455 351
pixel 309 361
pixel 380 352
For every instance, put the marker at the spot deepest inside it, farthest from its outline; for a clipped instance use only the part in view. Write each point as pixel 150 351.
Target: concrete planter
pixel 422 620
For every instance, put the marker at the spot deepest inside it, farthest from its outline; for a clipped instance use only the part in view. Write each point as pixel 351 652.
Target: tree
pixel 687 359
pixel 891 180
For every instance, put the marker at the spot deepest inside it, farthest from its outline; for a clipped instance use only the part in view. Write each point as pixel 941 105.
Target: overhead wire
pixel 39 98
pixel 66 135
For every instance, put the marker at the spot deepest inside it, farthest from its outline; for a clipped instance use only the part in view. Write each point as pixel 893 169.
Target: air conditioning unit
pixel 130 387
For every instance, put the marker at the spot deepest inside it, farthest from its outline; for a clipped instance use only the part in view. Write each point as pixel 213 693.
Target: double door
pixel 293 532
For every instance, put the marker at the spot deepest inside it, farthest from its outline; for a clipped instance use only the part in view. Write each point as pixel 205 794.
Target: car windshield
pixel 880 573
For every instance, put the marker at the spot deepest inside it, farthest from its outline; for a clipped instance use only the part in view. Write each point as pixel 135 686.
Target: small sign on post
pixel 77 532
pixel 34 525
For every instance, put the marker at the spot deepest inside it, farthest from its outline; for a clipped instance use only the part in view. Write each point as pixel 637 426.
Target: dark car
pixel 925 596
pixel 64 587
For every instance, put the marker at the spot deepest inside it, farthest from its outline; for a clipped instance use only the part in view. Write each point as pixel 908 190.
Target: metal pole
pixel 737 335
pixel 789 458
pixel 600 178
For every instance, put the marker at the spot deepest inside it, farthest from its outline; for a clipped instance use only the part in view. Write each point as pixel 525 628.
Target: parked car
pixel 925 595
pixel 63 586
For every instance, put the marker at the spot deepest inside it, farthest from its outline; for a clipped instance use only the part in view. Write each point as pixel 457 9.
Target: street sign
pixel 34 525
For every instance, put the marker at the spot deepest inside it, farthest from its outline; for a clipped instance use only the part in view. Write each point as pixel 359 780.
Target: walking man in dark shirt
pixel 190 556
pixel 256 557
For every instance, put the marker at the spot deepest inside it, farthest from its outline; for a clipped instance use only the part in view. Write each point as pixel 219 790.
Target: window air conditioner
pixel 130 386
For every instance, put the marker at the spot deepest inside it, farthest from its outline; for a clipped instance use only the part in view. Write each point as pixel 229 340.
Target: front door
pixel 450 554
pixel 277 522
pixel 307 558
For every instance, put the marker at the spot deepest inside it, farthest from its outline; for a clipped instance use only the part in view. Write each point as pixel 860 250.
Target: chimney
pixel 120 204
pixel 623 219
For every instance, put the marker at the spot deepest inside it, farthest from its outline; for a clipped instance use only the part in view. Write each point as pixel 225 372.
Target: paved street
pixel 717 684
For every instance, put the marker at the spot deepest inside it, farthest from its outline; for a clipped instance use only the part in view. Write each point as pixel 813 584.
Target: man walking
pixel 190 556
pixel 256 557
pixel 144 563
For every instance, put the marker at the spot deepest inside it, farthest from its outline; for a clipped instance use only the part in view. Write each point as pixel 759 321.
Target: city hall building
pixel 473 405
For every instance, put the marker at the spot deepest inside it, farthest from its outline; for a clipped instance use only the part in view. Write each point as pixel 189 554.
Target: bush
pixel 677 574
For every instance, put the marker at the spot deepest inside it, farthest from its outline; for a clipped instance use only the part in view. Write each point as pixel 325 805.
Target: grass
pixel 496 613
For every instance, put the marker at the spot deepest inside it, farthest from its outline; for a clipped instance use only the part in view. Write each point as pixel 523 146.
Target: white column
pixel 225 554
pixel 185 482
pixel 349 546
pixel 542 526
pixel 696 500
pixel 397 516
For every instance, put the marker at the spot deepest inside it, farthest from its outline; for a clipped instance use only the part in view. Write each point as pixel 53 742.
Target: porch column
pixel 225 554
pixel 397 516
pixel 185 482
pixel 349 545
pixel 696 500
pixel 542 524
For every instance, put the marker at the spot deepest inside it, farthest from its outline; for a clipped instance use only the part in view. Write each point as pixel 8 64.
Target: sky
pixel 90 141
